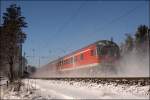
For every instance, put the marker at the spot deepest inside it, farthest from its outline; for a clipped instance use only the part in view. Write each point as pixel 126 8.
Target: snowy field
pixel 52 89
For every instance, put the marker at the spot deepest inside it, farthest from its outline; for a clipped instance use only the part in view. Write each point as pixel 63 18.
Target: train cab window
pixel 81 57
pixel 104 51
pixel 93 52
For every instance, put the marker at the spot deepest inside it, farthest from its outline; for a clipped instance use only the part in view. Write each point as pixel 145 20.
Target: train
pixel 97 58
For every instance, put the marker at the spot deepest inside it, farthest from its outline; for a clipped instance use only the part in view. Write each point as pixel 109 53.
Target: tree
pixel 142 39
pixel 141 34
pixel 1 50
pixel 13 37
pixel 128 43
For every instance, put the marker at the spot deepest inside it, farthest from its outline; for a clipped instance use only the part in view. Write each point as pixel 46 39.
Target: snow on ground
pixel 58 89
pixel 80 90
pixel 26 92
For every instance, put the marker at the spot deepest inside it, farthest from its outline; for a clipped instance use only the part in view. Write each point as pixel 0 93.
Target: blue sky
pixel 56 28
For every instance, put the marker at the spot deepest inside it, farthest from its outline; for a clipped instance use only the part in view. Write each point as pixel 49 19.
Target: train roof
pixel 100 42
pixel 106 42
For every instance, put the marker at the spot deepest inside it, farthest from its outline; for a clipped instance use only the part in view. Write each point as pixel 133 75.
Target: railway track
pixel 141 81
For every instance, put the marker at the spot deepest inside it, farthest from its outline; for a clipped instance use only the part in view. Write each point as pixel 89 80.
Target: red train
pixel 91 59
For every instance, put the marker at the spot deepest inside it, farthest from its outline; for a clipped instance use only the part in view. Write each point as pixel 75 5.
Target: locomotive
pixel 97 58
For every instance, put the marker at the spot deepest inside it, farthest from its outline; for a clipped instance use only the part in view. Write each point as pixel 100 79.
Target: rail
pixel 141 81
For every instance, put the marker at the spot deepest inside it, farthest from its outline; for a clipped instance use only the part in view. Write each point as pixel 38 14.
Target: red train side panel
pixel 85 57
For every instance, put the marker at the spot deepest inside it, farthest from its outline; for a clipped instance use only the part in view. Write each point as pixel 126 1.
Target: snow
pixel 58 89
pixel 26 92
pixel 3 81
pixel 81 90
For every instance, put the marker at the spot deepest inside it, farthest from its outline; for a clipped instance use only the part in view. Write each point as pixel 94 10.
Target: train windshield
pixel 108 50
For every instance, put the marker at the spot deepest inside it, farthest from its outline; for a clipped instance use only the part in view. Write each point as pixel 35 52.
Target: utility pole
pixel 33 51
pixel 39 61
pixel 24 64
pixel 21 40
pixel 20 71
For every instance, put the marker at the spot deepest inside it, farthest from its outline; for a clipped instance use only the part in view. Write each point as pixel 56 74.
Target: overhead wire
pixel 72 16
pixel 112 21
pixel 75 14
pixel 122 16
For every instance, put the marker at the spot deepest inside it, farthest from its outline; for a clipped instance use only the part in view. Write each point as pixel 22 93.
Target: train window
pixel 104 51
pixel 81 57
pixel 75 59
pixel 65 62
pixel 62 62
pixel 59 64
pixel 68 61
pixel 93 52
pixel 71 60
pixel 99 50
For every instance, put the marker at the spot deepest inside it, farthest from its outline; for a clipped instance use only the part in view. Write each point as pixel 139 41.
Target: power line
pixel 71 18
pixel 114 20
pixel 122 16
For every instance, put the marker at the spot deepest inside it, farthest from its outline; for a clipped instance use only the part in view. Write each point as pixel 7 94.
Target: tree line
pixel 138 43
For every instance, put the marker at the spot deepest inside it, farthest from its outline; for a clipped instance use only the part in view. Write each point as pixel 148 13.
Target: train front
pixel 108 52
